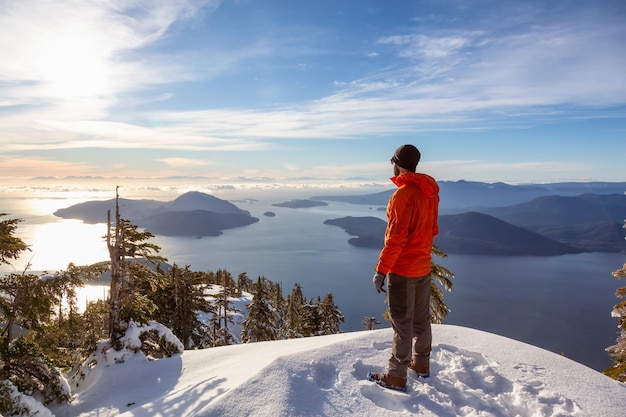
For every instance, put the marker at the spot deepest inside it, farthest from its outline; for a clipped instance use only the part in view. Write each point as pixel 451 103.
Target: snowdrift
pixel 474 373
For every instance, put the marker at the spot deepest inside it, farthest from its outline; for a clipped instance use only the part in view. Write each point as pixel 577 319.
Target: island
pixel 296 204
pixel 193 214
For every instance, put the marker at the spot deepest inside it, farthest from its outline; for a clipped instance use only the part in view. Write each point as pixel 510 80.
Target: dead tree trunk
pixel 116 253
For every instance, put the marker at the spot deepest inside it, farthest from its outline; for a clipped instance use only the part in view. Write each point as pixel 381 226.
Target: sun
pixel 74 64
pixel 79 75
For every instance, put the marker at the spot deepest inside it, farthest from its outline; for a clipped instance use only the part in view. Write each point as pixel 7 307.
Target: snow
pixel 473 373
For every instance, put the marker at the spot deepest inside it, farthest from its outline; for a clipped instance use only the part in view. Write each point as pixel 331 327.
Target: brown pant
pixel 409 305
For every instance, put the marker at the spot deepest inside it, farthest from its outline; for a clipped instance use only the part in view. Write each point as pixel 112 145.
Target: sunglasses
pixel 394 160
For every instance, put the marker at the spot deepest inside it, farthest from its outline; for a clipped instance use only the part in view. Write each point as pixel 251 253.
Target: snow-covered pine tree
pixel 224 309
pixel 332 317
pixel 280 309
pixel 312 319
pixel 369 322
pixel 293 326
pixel 179 303
pixel 244 284
pixel 618 351
pixel 260 324
pixel 95 324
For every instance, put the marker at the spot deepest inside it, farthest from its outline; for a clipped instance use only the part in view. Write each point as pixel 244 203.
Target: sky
pixel 488 90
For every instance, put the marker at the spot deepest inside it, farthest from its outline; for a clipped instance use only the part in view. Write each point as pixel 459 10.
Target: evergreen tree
pixel 293 327
pixel 27 305
pixel 440 275
pixel 95 324
pixel 180 303
pixel 10 246
pixel 31 371
pixel 260 324
pixel 243 284
pixel 332 317
pixel 130 280
pixel 312 320
pixel 369 322
pixel 280 309
pixel 224 311
pixel 618 351
pixel 62 337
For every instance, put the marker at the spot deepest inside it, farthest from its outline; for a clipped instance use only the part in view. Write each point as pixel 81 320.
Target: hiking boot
pixel 421 366
pixel 388 381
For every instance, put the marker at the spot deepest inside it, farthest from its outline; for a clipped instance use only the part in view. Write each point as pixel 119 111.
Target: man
pixel 405 262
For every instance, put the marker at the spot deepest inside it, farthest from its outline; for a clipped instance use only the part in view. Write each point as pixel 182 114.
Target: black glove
pixel 379 281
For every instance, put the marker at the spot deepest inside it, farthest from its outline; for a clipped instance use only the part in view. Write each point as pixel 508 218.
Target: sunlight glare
pixel 55 245
pixel 75 67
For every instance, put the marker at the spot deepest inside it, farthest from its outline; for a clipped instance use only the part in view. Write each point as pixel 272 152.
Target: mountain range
pixel 541 222
pixel 547 219
pixel 459 196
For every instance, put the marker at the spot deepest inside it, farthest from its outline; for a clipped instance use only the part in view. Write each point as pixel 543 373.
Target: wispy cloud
pixel 73 58
pixel 183 162
pixel 25 166
pixel 516 172
pixel 122 75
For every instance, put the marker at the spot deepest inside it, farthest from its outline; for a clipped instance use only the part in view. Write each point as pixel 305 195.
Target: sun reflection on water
pixel 55 245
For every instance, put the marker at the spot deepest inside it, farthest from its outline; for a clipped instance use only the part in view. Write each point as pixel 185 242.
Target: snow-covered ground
pixel 474 373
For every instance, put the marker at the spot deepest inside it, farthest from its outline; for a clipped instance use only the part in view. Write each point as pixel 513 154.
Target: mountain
pixel 458 196
pixel 198 223
pixel 590 222
pixel 462 194
pixel 593 222
pixel 370 231
pixel 480 234
pixel 590 237
pixel 564 210
pixel 473 195
pixel 468 233
pixel 195 200
pixel 93 212
pixel 191 214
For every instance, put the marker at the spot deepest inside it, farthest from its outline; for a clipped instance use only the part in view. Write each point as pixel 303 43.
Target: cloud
pixel 75 51
pixel 512 172
pixel 183 162
pixel 420 46
pixel 24 166
pixel 97 74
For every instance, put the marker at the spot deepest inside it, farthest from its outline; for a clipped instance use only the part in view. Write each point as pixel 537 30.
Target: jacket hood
pixel 425 183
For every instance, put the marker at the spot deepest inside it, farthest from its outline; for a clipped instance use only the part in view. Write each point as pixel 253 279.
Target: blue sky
pixel 513 91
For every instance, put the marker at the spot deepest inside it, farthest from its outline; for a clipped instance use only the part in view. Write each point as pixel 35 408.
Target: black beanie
pixel 407 157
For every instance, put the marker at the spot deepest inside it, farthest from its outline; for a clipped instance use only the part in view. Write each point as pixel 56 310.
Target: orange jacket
pixel 411 226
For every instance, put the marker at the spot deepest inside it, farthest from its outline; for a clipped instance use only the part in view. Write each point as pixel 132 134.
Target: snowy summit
pixel 473 373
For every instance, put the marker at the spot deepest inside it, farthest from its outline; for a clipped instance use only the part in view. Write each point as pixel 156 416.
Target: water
pixel 562 304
